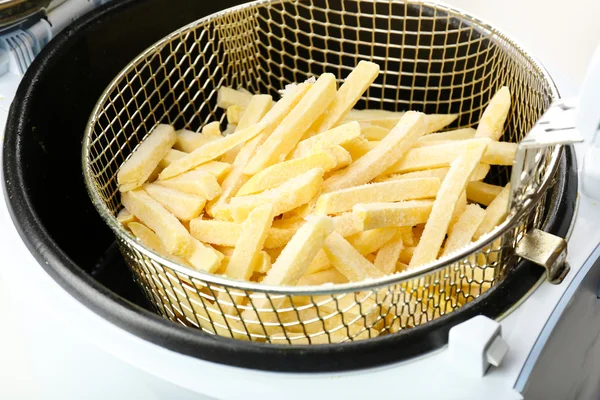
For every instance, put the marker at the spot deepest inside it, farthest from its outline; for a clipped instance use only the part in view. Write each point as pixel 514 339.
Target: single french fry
pixel 341 155
pixel 336 136
pixel 251 240
pixel 183 205
pixel 188 141
pixel 459 208
pixel 389 120
pixel 287 135
pixel 387 256
pixel 382 215
pixel 210 151
pixel 494 213
pixel 196 182
pixel 480 172
pixel 376 161
pixel 408 189
pixel 373 132
pixel 236 178
pixel 491 124
pixel 172 155
pixel 289 223
pixel 344 224
pixel 461 233
pixel 263 263
pixel 225 233
pixel 171 232
pixel 227 97
pixel 330 275
pixel 406 255
pixel 292 194
pixel 357 147
pixel 406 234
pixel 134 172
pixel 217 168
pixel 355 84
pixel 277 174
pixel 203 257
pixel 348 261
pixel 290 266
pixel 497 153
pixel 456 134
pixel 234 114
pixel 482 193
pixel 125 217
pixel 452 187
pixel 372 240
pixel 258 107
pixel 151 240
pixel 229 130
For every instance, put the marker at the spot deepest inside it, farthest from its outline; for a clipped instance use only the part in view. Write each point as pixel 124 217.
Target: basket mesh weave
pixel 433 59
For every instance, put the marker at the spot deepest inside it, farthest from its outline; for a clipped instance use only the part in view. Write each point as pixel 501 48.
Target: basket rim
pixel 327 289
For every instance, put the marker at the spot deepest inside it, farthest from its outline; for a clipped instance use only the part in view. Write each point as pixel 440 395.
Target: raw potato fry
pixel 345 199
pixel 139 166
pixel 262 264
pixel 406 234
pixel 461 233
pixel 172 234
pixel 250 242
pixel 336 136
pixel 217 168
pixel 480 172
pixel 457 134
pixel 287 135
pixel 372 240
pixel 277 174
pixel 497 153
pixel 188 141
pixel 290 266
pixel 330 275
pixel 460 207
pixel 229 130
pixel 171 156
pixel 359 80
pixel 227 97
pixel 198 183
pixel 493 118
pixel 381 215
pixel 203 257
pixel 234 114
pixel 406 255
pixel 125 217
pixel 341 155
pixel 387 256
pixel 212 129
pixel 373 132
pixel 225 233
pixel 236 178
pixel 210 151
pixel 183 205
pixel 482 193
pixel 494 213
pixel 152 241
pixel 376 161
pixel 348 261
pixel 294 193
pixel 389 119
pixel 258 107
pixel 452 187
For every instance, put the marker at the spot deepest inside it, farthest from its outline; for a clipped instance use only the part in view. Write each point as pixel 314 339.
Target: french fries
pixel 137 169
pixel 308 191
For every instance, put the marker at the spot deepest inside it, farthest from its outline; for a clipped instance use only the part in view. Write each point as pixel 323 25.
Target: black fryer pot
pixel 49 205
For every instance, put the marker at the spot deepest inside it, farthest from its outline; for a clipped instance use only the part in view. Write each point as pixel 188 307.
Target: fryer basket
pixel 433 59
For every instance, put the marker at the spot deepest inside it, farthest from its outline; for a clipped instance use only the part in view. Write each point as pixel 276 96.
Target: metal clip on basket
pixel 433 59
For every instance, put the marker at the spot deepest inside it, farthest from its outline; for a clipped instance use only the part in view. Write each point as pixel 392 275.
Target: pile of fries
pixel 307 190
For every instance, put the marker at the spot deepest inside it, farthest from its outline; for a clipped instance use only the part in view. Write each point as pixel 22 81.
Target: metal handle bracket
pixel 546 250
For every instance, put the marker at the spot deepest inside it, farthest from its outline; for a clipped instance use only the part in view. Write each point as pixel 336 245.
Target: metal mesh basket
pixel 433 59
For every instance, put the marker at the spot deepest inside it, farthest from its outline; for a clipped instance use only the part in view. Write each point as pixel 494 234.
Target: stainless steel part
pixel 13 11
pixel 433 58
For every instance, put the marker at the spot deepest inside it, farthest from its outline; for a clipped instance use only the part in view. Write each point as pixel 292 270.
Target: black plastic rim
pixel 193 342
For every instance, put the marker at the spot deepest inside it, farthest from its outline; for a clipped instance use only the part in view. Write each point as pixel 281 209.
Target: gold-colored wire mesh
pixel 433 59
